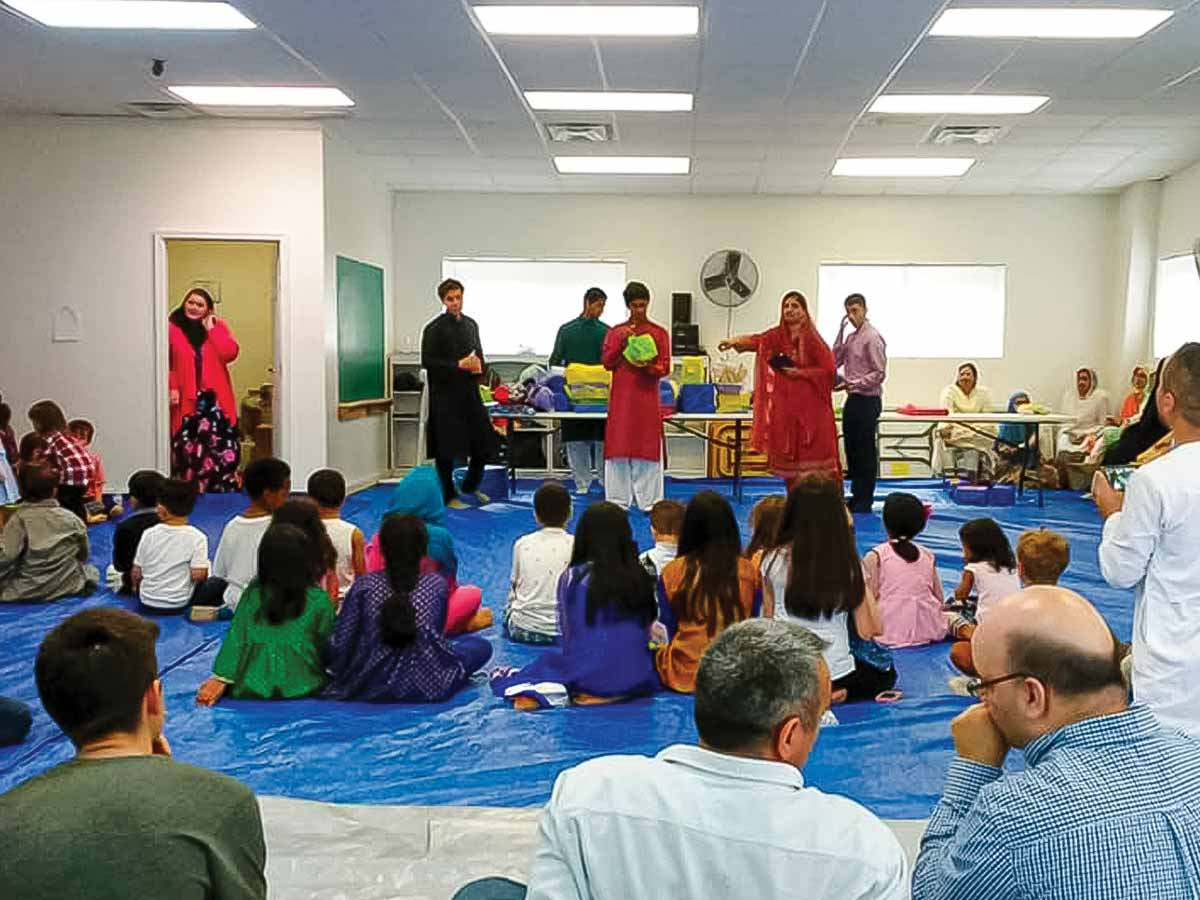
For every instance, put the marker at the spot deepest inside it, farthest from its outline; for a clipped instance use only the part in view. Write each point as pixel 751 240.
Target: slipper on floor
pixel 543 695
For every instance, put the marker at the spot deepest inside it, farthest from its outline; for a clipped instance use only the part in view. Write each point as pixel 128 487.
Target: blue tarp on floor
pixel 475 751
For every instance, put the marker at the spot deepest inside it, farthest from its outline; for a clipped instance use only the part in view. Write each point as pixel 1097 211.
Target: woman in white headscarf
pixel 1090 408
pixel 958 446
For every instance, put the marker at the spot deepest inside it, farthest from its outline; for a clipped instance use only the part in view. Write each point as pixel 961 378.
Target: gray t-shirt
pixel 135 826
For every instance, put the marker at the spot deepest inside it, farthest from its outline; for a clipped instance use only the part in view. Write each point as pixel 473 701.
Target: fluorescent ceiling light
pixel 610 101
pixel 1060 22
pixel 966 104
pixel 622 165
pixel 161 14
pixel 590 21
pixel 249 95
pixel 903 167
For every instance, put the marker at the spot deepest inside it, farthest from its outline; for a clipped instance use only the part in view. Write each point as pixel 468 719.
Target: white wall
pixel 1059 252
pixel 1137 262
pixel 81 201
pixel 1179 221
pixel 358 224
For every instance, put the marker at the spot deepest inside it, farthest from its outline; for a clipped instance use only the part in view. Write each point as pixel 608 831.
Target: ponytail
pixel 404 541
pixel 905 549
pixel 904 518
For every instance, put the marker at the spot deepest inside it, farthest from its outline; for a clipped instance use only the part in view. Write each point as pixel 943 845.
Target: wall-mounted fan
pixel 729 278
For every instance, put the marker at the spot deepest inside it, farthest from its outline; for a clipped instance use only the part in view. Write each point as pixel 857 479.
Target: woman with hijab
pixel 958 445
pixel 793 395
pixel 201 349
pixel 1090 407
pixel 1012 438
pixel 1139 386
pixel 1143 432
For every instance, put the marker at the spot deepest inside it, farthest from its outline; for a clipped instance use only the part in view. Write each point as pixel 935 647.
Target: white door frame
pixel 283 343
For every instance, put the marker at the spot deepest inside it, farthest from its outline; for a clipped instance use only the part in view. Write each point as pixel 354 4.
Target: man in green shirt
pixel 579 341
pixel 122 819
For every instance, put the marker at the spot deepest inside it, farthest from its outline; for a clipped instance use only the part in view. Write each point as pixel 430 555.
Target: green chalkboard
pixel 362 362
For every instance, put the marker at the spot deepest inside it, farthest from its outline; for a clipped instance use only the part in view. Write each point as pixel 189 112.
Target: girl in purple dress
pixel 388 644
pixel 606 605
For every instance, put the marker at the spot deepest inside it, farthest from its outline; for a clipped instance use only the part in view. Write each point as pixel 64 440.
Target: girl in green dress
pixel 273 647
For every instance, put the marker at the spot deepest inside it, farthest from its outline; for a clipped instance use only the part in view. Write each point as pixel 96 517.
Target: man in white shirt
pixel 1151 542
pixel 730 818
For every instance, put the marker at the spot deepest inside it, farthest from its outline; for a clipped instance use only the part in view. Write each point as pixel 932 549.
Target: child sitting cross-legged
pixel 273 648
pixel 990 575
pixel 1042 557
pixel 327 488
pixel 605 607
pixel 389 642
pixel 43 548
pixel 302 512
pixel 74 465
pixel 539 559
pixel 764 527
pixel 144 488
pixel 666 521
pixel 100 507
pixel 172 557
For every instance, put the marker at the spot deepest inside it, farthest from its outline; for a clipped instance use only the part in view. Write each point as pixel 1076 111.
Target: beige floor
pixel 342 852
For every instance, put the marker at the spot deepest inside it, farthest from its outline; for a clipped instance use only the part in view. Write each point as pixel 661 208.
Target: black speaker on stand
pixel 685 337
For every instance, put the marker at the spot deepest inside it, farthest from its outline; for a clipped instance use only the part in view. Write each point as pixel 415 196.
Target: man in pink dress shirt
pixel 861 359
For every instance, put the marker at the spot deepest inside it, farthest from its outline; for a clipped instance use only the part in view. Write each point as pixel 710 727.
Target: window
pixel 520 303
pixel 1176 304
pixel 928 312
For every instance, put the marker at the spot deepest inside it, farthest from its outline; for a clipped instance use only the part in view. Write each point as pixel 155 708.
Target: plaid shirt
pixel 1107 809
pixel 72 461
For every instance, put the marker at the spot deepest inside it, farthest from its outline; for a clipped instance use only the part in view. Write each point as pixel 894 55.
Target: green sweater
pixel 264 661
pixel 579 341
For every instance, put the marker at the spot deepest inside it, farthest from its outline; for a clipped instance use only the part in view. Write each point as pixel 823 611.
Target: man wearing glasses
pixel 1108 805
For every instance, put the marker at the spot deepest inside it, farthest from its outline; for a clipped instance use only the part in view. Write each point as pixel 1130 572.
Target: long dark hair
pixel 764 524
pixel 284 572
pixel 617 580
pixel 403 540
pixel 824 572
pixel 710 545
pixel 904 519
pixel 986 542
pixel 303 513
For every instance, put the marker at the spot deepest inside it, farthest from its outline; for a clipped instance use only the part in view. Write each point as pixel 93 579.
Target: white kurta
pixel 1090 414
pixel 952 439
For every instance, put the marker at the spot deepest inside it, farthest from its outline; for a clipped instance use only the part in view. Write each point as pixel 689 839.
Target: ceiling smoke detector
pixel 567 133
pixel 975 135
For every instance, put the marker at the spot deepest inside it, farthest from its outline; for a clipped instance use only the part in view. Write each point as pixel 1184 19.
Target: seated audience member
pixel 959 447
pixel 32 449
pixel 327 488
pixel 1078 444
pixel 1139 387
pixel 815 578
pixel 1042 557
pixel 122 819
pixel 1105 807
pixel 605 607
pixel 74 466
pixel 172 557
pixel 44 548
pixel 389 642
pixel 10 492
pixel 764 527
pixel 99 506
pixel 1146 429
pixel 729 818
pixel 538 561
pixel 1017 444
pixel 15 721
pixel 705 589
pixel 302 512
pixel 903 577
pixel 666 521
pixel 267 483
pixel 274 644
pixel 8 437
pixel 990 575
pixel 144 488
pixel 1151 542
pixel 419 494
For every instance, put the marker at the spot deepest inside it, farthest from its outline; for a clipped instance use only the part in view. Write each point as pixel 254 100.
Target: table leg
pixel 737 460
pixel 509 430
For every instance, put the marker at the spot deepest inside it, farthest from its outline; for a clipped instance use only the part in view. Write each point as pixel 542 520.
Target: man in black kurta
pixel 458 424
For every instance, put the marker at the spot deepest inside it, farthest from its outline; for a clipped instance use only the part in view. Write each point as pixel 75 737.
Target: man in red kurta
pixel 633 474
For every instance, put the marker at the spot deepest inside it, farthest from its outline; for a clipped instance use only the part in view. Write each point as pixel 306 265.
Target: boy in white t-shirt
pixel 267 482
pixel 172 556
pixel 327 488
pixel 539 559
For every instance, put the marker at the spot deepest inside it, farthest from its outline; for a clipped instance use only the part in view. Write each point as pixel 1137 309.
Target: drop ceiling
pixel 780 88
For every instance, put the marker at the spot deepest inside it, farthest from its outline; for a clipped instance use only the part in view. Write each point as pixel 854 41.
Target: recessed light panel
pixel 133 14
pixel 902 167
pixel 952 104
pixel 264 96
pixel 1040 22
pixel 590 21
pixel 610 101
pixel 622 165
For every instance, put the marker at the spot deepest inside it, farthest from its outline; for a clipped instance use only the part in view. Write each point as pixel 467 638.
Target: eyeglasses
pixel 976 686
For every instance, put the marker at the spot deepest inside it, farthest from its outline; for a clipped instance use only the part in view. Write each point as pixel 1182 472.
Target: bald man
pixel 1108 805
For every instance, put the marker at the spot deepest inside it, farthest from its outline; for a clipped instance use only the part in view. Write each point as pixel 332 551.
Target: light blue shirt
pixel 693 823
pixel 1108 809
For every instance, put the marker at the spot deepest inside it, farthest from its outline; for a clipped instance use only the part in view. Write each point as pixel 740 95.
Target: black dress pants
pixel 860 417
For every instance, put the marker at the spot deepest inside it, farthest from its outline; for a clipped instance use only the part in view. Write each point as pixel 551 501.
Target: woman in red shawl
pixel 201 348
pixel 793 395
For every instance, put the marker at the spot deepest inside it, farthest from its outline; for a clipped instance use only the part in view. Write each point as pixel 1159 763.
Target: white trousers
pixel 633 482
pixel 584 457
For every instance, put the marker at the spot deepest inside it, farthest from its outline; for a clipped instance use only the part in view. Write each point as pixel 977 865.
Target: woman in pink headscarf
pixel 793 395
